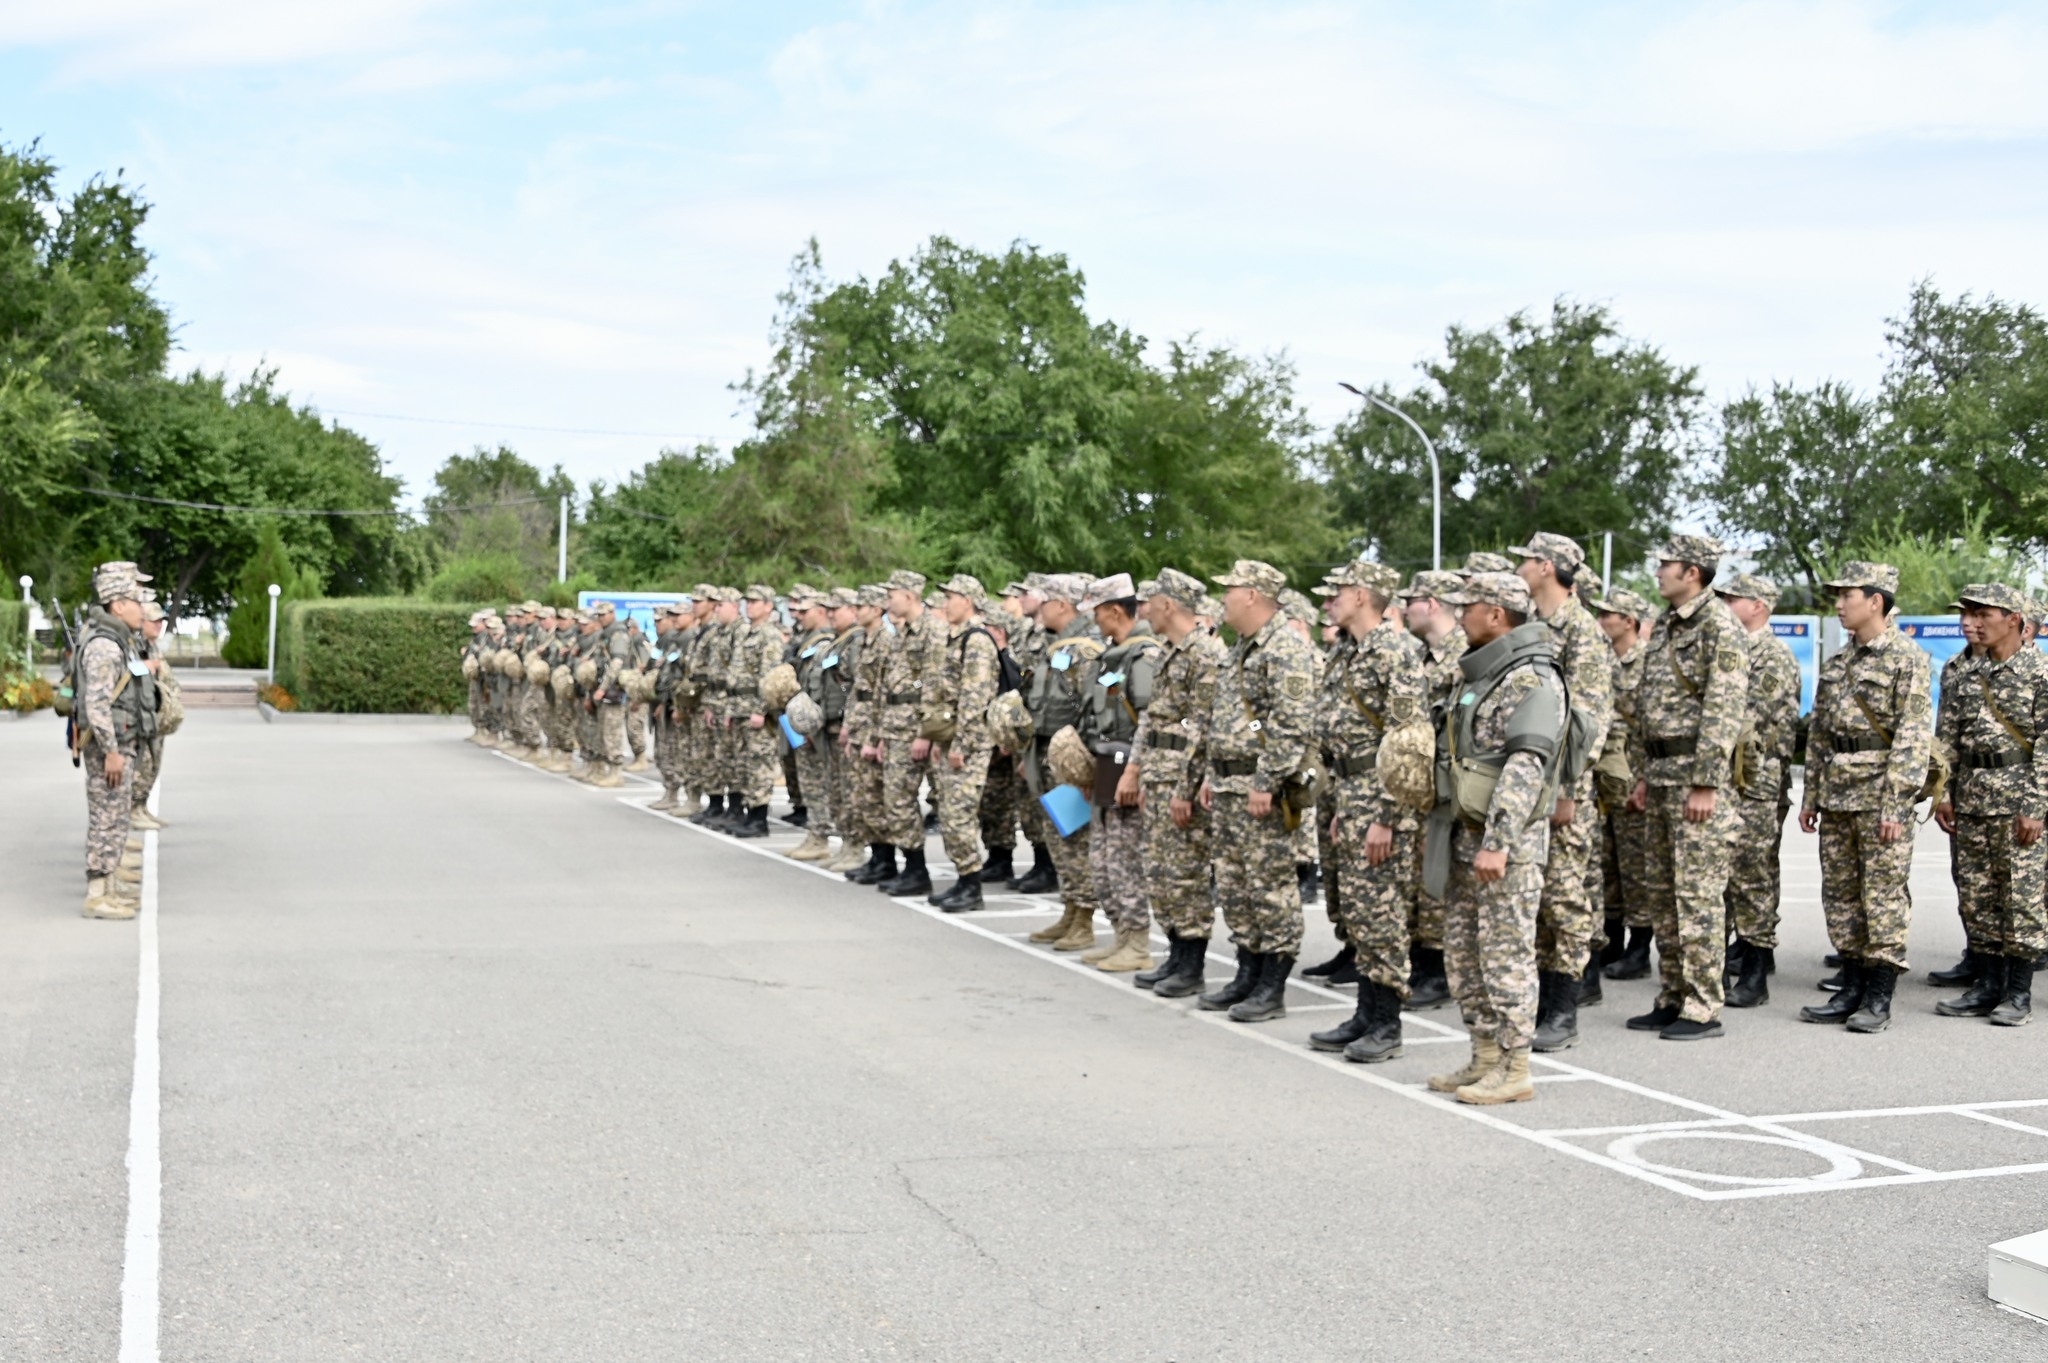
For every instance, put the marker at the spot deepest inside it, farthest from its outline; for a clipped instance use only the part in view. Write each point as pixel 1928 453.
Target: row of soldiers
pixel 122 701
pixel 1513 780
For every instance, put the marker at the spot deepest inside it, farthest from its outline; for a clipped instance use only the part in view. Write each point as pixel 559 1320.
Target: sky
pixel 562 226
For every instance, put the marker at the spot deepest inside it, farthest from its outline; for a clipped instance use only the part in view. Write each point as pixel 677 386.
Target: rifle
pixel 64 692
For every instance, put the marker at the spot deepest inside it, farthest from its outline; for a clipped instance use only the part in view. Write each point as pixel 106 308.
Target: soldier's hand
pixel 1488 867
pixel 920 749
pixel 1945 815
pixel 1890 830
pixel 1127 793
pixel 1699 804
pixel 116 764
pixel 757 721
pixel 1809 820
pixel 2026 832
pixel 1379 843
pixel 1182 812
pixel 1639 798
pixel 1562 815
pixel 872 752
pixel 1261 804
pixel 957 761
pixel 1207 795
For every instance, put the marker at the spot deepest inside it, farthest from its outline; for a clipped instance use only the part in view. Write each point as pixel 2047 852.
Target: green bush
pixel 13 628
pixel 248 641
pixel 369 655
pixel 480 577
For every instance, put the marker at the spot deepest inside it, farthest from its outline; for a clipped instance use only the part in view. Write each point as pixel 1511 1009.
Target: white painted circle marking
pixel 1841 1166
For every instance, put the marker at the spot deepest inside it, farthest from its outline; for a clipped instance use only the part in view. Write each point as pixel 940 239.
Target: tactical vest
pixel 1051 694
pixel 1123 689
pixel 1466 775
pixel 135 694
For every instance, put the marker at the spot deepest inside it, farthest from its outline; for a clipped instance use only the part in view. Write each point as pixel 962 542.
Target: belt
pixel 1992 760
pixel 1232 766
pixel 863 695
pixel 1857 743
pixel 1344 768
pixel 1672 747
pixel 1170 742
pixel 903 698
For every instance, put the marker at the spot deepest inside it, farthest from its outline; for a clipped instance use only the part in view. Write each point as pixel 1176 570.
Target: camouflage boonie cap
pixel 1181 589
pixel 1115 587
pixel 1494 589
pixel 1561 550
pixel 1749 587
pixel 904 580
pixel 1995 594
pixel 967 585
pixel 1260 577
pixel 1069 587
pixel 118 581
pixel 1361 573
pixel 1622 601
pixel 871 594
pixel 759 591
pixel 1295 606
pixel 1701 551
pixel 1435 586
pixel 1485 561
pixel 1879 577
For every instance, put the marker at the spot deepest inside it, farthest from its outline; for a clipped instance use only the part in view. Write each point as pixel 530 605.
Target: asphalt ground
pixel 461 1060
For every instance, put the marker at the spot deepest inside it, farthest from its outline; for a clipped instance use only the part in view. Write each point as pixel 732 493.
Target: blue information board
pixel 633 605
pixel 1940 635
pixel 1801 634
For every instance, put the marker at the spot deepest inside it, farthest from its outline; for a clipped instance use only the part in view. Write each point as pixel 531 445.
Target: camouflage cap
pixel 904 580
pixel 118 581
pixel 1588 584
pixel 1484 561
pixel 548 612
pixel 933 599
pixel 871 594
pixel 1115 587
pixel 1749 587
pixel 1295 606
pixel 1435 586
pixel 1148 588
pixel 1622 601
pixel 1505 590
pixel 1069 587
pixel 1880 577
pixel 802 591
pixel 1562 550
pixel 2037 610
pixel 477 617
pixel 840 597
pixel 1014 589
pixel 760 591
pixel 1702 551
pixel 967 585
pixel 1034 583
pixel 1249 572
pixel 1181 589
pixel 1361 573
pixel 529 608
pixel 1211 609
pixel 152 611
pixel 1995 594
pixel 597 608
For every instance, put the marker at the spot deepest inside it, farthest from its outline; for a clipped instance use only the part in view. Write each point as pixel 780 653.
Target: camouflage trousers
pixel 864 795
pixel 636 728
pixel 1425 912
pixel 792 770
pixel 1071 858
pixel 668 750
pixel 149 760
pixel 611 733
pixel 1256 888
pixel 585 716
pixel 700 755
pixel 960 802
pixel 561 717
pixel 999 810
pixel 1490 944
pixel 476 703
pixel 1753 879
pixel 1116 863
pixel 814 778
pixel 1999 886
pixel 1565 917
pixel 1863 889
pixel 1303 843
pixel 1178 866
pixel 1623 861
pixel 755 761
pixel 108 808
pixel 1370 904
pixel 1685 878
pixel 900 820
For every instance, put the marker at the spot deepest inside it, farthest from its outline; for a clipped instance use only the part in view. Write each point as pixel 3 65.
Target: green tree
pixel 248 638
pixel 491 503
pixel 1934 568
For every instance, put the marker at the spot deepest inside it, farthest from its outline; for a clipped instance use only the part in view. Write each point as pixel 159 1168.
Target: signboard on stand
pixel 1801 634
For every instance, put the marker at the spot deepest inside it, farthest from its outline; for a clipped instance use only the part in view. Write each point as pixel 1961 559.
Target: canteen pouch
pixel 1110 761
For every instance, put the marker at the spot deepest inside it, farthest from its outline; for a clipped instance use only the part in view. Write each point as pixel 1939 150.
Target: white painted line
pixel 142 1251
pixel 2000 1121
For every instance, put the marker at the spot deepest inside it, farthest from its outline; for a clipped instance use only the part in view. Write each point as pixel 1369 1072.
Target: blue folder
pixel 796 740
pixel 1068 809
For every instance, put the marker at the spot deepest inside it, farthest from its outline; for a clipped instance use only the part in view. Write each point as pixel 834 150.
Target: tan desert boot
pixel 1099 954
pixel 1081 935
pixel 1133 952
pixel 1506 1082
pixel 814 847
pixel 850 855
pixel 134 844
pixel 607 777
pixel 125 876
pixel 1055 931
pixel 665 803
pixel 639 763
pixel 1485 1055
pixel 144 820
pixel 100 901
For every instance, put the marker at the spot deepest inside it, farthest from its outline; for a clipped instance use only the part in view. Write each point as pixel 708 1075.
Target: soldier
pixel 1763 789
pixel 1177 854
pixel 705 793
pixel 114 719
pixel 1498 754
pixel 1866 757
pixel 494 682
pixel 1690 699
pixel 1000 811
pixel 809 646
pixel 861 736
pixel 1125 681
pixel 1566 921
pixel 1433 622
pixel 1305 620
pixel 613 654
pixel 1994 710
pixel 1258 737
pixel 1624 618
pixel 562 653
pixel 170 711
pixel 905 669
pixel 472 672
pixel 634 711
pixel 1374 682
pixel 835 673
pixel 1030 644
pixel 669 623
pixel 756 648
pixel 954 729
pixel 1056 692
pixel 709 659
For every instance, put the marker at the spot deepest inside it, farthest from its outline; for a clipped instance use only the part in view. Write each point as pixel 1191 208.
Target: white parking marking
pixel 142 1251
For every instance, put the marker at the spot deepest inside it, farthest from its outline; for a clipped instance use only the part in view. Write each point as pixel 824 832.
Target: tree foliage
pixel 248 641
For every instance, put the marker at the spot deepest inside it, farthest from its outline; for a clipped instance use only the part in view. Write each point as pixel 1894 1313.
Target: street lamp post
pixel 1436 476
pixel 28 638
pixel 270 658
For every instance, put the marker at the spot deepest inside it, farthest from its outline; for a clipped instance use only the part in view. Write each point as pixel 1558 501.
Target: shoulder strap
pixel 1692 688
pixel 1999 715
pixel 1869 714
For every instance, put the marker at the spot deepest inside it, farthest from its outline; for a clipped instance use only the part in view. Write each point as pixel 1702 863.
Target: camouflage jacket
pixel 1773 706
pixel 1172 726
pixel 1690 696
pixel 1624 730
pixel 1440 663
pixel 706 663
pixel 964 682
pixel 1850 766
pixel 837 668
pixel 1514 822
pixel 668 655
pixel 863 723
pixel 1996 772
pixel 907 667
pixel 1370 685
pixel 754 651
pixel 1263 718
pixel 1586 658
pixel 806 654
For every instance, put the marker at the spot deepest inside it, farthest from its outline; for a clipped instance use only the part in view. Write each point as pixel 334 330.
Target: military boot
pixel 1962 972
pixel 1054 931
pixel 101 902
pixel 1846 1001
pixel 815 847
pixel 134 844
pixel 1240 987
pixel 1268 1000
pixel 127 875
pixel 1345 955
pixel 639 763
pixel 1985 993
pixel 1042 878
pixel 1175 950
pixel 1875 1014
pixel 1557 1011
pixel 144 820
pixel 1308 878
pixel 881 866
pixel 1485 1055
pixel 736 812
pixel 1133 952
pixel 755 825
pixel 799 816
pixel 1351 1028
pixel 1635 958
pixel 1080 933
pixel 1100 952
pixel 999 866
pixel 1187 977
pixel 1588 990
pixel 1506 1082
pixel 1346 973
pixel 915 878
pixel 850 856
pixel 964 897
pixel 1731 960
pixel 714 810
pixel 2017 1006
pixel 608 777
pixel 1659 1017
pixel 1751 987
pixel 1615 930
pixel 1428 986
pixel 666 802
pixel 1382 1039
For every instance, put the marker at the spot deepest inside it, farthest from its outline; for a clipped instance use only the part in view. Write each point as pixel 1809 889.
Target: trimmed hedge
pixel 368 655
pixel 13 628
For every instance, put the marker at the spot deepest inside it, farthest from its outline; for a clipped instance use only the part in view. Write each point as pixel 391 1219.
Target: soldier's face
pixel 1239 603
pixel 959 609
pixel 844 617
pixel 902 601
pixel 1671 583
pixel 868 616
pixel 727 612
pixel 1856 608
pixel 1530 570
pixel 1993 628
pixel 1618 628
pixel 1483 623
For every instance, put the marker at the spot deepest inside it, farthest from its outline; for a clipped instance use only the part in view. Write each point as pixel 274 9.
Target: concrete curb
pixel 272 715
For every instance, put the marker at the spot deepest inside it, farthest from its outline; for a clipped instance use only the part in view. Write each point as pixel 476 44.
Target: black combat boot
pixel 1176 950
pixel 735 813
pixel 1731 960
pixel 1876 1013
pixel 1656 1020
pixel 998 868
pixel 882 867
pixel 1615 930
pixel 1985 993
pixel 1589 992
pixel 1833 960
pixel 1846 1001
pixel 715 809
pixel 915 878
pixel 1308 877
pixel 754 825
pixel 1557 1012
pixel 1635 958
pixel 1962 972
pixel 1268 1000
pixel 931 821
pixel 1770 955
pixel 964 897
pixel 1382 1039
pixel 2018 1004
pixel 1750 987
pixel 798 817
pixel 1346 973
pixel 1835 983
pixel 1240 986
pixel 1351 1028
pixel 1344 957
pixel 1186 978
pixel 1427 985
pixel 1041 878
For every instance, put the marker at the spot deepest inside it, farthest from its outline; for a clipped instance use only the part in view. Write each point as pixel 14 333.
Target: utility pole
pixel 1607 558
pixel 1436 477
pixel 562 545
pixel 270 659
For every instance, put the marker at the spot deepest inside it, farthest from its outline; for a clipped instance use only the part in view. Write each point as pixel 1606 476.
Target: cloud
pixel 110 38
pixel 542 98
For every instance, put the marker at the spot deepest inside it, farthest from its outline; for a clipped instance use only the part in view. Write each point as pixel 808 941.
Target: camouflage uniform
pixel 964 682
pixel 863 725
pixel 115 712
pixel 1176 859
pixel 614 656
pixel 1055 692
pixel 1625 832
pixel 1030 646
pixel 1689 699
pixel 1766 792
pixel 668 750
pixel 1126 680
pixel 756 650
pixel 907 666
pixel 807 654
pixel 1440 677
